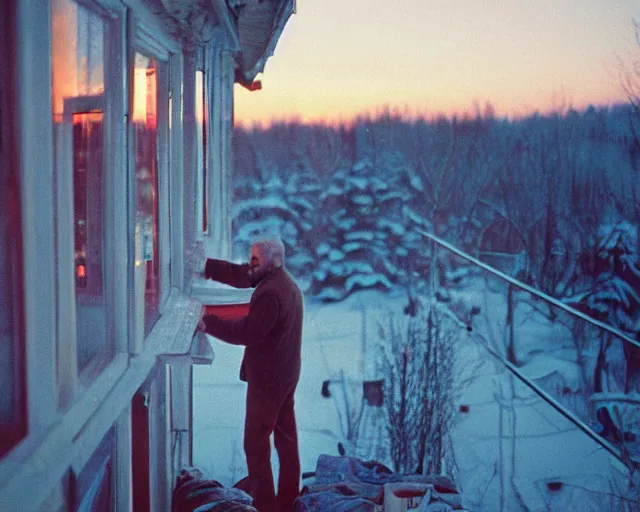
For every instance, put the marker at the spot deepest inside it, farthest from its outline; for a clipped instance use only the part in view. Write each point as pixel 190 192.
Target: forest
pixel 553 201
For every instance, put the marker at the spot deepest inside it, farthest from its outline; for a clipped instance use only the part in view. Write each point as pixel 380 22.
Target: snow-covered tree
pixel 278 207
pixel 365 232
pixel 615 294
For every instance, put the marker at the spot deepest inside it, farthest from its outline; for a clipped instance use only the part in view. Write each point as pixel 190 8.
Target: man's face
pixel 258 267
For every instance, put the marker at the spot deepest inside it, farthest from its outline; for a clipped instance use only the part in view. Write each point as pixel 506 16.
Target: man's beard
pixel 257 275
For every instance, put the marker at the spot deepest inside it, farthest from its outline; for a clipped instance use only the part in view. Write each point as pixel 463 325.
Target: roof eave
pixel 286 9
pixel 228 23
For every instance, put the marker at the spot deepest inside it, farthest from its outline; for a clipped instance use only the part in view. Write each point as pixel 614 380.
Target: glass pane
pixel 95 482
pixel 88 235
pixel 12 361
pixel 11 358
pixel 77 49
pixel 201 143
pixel 145 100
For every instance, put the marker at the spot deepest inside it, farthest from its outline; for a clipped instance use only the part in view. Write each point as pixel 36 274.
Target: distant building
pixel 115 158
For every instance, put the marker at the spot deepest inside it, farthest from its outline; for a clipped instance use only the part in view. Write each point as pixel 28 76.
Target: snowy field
pixel 494 470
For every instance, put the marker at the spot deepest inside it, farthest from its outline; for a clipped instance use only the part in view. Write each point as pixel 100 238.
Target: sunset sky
pixel 340 58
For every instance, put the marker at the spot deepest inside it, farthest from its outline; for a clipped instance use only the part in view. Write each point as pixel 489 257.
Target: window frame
pixel 71 381
pixel 202 150
pixel 12 434
pixel 150 43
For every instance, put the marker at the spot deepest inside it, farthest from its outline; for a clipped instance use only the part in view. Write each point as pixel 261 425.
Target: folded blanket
pixel 347 484
pixel 336 499
pixel 337 469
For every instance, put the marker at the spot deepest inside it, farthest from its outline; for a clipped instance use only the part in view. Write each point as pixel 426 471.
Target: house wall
pixel 79 417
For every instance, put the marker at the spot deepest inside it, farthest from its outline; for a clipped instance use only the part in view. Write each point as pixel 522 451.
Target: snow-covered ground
pixel 492 467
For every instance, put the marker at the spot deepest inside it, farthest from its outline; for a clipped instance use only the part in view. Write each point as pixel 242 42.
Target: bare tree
pixel 417 355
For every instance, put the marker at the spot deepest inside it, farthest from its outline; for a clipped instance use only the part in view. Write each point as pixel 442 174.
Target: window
pixel 13 417
pixel 201 144
pixel 78 96
pixel 94 489
pixel 145 120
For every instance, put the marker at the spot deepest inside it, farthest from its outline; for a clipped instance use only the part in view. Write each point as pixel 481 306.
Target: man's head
pixel 266 257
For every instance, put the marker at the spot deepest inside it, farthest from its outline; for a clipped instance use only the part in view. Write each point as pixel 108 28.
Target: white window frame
pixel 152 43
pixel 201 171
pixel 218 71
pixel 72 385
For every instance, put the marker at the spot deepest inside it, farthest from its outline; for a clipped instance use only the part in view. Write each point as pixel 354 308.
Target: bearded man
pixel 272 334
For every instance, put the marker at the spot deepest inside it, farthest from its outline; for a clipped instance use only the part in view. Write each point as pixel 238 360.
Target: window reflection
pixel 88 235
pixel 87 202
pixel 147 259
pixel 201 143
pixel 77 50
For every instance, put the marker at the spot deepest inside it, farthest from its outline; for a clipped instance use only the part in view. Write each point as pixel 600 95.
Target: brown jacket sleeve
pixel 227 273
pixel 247 330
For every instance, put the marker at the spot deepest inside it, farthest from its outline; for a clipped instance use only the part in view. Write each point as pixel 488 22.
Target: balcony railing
pixel 574 363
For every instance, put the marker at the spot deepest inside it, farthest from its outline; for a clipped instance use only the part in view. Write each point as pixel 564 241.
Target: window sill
pixel 173 332
pixel 212 293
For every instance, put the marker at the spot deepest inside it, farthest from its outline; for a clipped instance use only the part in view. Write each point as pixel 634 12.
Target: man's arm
pixel 247 330
pixel 227 273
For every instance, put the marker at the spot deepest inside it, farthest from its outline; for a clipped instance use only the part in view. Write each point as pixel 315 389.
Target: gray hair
pixel 273 251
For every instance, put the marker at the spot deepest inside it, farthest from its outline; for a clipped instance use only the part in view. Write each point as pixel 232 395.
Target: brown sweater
pixel 271 331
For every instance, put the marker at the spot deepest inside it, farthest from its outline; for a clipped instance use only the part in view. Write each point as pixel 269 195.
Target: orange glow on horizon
pixel 336 61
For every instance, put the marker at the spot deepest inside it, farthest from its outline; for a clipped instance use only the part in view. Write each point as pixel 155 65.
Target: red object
pixel 140 465
pixel 227 311
pixel 409 493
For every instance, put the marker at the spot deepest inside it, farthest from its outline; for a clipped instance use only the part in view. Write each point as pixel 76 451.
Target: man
pixel 272 333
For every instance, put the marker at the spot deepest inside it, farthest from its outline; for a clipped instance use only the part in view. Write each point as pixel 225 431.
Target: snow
pixel 366 281
pixel 300 201
pixel 346 224
pixel 377 184
pixel 416 182
pixel 414 217
pixel 323 248
pixel 359 183
pixel 320 274
pixel 362 165
pixel 300 260
pixel 263 203
pixel 349 267
pixel 268 226
pixel 359 235
pixel 542 366
pixel 395 227
pixel 335 255
pixel 490 462
pixel 352 247
pixel 362 199
pixel 623 235
pixel 333 190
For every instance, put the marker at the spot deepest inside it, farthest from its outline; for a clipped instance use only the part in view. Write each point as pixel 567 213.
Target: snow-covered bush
pixel 416 360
